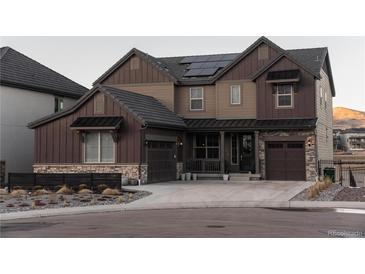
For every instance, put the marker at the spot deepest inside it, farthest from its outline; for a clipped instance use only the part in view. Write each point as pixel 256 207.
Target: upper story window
pixel 321 96
pixel 99 147
pixel 58 104
pixel 263 52
pixel 99 103
pixel 196 99
pixel 235 94
pixel 284 96
pixel 135 63
pixel 325 99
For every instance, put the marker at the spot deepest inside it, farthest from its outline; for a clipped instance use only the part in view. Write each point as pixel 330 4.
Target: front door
pixel 247 153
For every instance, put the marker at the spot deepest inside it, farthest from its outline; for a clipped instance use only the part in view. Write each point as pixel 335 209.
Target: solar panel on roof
pixel 200 72
pixel 206 65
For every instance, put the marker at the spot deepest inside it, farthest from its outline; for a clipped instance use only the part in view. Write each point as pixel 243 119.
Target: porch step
pixel 242 177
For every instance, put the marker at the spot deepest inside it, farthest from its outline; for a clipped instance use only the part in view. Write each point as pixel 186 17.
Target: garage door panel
pixel 161 161
pixel 285 161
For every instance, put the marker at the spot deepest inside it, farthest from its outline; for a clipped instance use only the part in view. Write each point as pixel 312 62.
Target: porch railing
pixel 203 166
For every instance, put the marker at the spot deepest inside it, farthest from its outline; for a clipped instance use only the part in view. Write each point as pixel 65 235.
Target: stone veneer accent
pixel 179 170
pixel 310 150
pixel 131 171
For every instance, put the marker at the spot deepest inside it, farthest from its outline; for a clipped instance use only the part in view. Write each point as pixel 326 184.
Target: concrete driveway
pixel 179 194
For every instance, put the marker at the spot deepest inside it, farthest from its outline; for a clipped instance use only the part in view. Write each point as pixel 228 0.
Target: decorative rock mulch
pixel 28 202
pixel 351 194
pixel 326 195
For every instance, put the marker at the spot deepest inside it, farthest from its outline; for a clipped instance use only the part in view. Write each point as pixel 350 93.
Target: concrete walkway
pixel 202 194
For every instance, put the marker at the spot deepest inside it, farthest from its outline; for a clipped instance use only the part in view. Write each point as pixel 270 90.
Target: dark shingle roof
pixel 18 70
pixel 178 70
pixel 249 124
pixel 146 108
pixel 310 58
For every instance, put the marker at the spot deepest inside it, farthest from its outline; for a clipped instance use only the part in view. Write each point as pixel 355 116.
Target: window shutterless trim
pixel 291 96
pixel 99 150
pixel 239 94
pixel 201 98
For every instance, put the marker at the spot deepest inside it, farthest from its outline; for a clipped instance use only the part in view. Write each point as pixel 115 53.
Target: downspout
pixel 142 139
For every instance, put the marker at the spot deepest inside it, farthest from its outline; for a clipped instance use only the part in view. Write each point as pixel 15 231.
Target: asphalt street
pixel 201 223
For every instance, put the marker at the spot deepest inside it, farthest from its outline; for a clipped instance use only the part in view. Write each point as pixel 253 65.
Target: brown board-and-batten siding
pixel 304 96
pixel 249 65
pixel 56 143
pixel 145 73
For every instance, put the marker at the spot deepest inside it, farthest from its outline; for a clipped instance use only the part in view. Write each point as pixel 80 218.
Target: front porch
pixel 221 152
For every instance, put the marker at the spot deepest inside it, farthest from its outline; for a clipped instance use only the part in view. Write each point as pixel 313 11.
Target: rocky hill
pixel 344 118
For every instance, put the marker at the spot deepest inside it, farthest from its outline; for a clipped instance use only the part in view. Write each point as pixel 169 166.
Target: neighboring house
pixel 265 111
pixel 352 139
pixel 28 91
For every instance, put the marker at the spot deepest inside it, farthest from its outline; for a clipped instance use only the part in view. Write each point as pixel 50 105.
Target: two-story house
pixel 28 91
pixel 265 111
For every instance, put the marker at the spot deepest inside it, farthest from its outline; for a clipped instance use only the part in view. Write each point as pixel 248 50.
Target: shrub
pixel 40 192
pixel 110 191
pixel 38 187
pixel 82 186
pixel 3 192
pixel 18 193
pixel 322 185
pixel 65 190
pixel 85 191
pixel 328 181
pixel 317 188
pixel 312 192
pixel 102 187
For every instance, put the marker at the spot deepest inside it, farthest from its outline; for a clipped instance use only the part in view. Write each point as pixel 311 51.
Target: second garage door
pixel 285 161
pixel 161 161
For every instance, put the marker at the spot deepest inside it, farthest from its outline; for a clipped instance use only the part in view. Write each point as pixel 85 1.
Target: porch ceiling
pixel 249 124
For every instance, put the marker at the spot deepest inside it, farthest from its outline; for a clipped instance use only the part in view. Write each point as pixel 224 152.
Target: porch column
pixel 257 159
pixel 185 147
pixel 222 151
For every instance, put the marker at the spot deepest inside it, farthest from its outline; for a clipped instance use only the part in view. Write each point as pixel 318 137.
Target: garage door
pixel 161 161
pixel 285 161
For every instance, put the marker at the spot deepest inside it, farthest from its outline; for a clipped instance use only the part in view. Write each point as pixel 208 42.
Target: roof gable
pixel 18 70
pixel 147 58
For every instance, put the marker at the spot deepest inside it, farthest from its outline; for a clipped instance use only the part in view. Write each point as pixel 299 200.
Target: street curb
pixel 215 204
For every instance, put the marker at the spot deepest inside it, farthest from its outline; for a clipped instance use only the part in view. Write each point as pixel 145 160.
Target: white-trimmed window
pixel 284 96
pixel 325 99
pixel 58 104
pixel 235 94
pixel 99 147
pixel 196 99
pixel 321 96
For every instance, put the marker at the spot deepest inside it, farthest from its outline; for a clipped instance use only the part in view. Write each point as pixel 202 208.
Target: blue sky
pixel 84 59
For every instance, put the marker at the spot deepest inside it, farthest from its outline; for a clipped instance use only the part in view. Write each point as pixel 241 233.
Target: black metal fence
pixel 344 170
pixel 54 180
